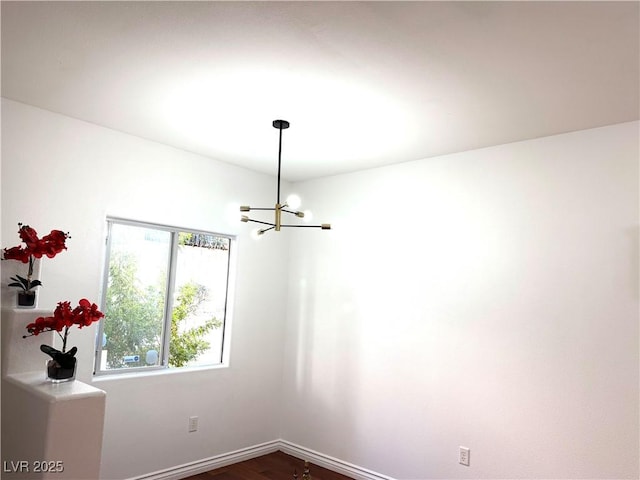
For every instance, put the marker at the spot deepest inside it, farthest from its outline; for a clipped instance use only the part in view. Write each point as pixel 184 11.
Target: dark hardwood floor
pixel 274 466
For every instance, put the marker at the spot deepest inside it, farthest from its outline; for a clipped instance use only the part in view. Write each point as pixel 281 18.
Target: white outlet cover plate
pixel 463 457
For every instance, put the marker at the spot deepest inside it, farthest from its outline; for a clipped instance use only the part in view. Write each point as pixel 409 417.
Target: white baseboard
pixel 218 461
pixel 211 463
pixel 330 463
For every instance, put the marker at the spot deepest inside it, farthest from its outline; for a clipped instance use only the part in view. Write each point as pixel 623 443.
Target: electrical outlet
pixel 193 424
pixel 463 456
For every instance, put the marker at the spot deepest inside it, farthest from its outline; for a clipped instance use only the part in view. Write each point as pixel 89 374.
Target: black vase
pixel 27 299
pixel 62 366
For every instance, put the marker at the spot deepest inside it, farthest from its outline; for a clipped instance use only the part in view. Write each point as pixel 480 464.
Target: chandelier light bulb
pixel 293 201
pixel 308 216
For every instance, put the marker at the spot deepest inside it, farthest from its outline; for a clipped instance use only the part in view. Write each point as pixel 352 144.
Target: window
pixel 165 298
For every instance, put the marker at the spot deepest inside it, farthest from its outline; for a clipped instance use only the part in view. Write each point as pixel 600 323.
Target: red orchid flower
pixel 64 317
pixel 49 245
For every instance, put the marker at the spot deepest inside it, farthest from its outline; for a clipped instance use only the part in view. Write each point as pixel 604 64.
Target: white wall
pixel 61 173
pixel 486 299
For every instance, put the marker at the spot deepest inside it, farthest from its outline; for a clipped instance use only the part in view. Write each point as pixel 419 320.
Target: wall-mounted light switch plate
pixel 193 424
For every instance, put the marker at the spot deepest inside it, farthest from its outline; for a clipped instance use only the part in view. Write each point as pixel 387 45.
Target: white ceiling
pixel 362 83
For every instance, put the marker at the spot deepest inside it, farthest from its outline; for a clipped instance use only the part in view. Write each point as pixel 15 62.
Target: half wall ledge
pixel 49 430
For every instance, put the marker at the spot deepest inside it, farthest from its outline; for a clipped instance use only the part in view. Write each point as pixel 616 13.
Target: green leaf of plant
pixel 22 282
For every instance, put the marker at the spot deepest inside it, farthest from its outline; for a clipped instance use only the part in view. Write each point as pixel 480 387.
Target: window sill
pixel 105 377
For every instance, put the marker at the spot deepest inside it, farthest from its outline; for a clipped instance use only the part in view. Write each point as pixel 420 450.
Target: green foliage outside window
pixel 188 344
pixel 202 240
pixel 134 318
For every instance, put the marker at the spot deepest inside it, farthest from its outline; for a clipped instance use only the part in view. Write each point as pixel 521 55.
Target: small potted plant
pixel 49 245
pixel 62 366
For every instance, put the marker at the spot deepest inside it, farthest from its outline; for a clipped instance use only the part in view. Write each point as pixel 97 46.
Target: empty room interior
pixel 455 297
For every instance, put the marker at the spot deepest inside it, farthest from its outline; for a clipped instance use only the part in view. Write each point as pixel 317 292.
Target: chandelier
pixel 288 207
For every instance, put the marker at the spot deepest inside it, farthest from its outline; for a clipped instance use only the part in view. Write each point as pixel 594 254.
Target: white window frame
pixel 169 290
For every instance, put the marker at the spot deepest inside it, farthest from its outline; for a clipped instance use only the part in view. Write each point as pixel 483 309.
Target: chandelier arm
pixel 259 221
pixel 262 208
pixel 306 226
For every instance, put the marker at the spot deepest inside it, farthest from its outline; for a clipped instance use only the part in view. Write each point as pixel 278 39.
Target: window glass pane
pixel 199 300
pixel 157 269
pixel 135 298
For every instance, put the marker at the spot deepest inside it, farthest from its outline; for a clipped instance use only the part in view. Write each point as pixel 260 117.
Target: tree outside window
pixel 165 298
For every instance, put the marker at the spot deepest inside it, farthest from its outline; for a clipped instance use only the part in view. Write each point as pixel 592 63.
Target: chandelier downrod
pixel 280 125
